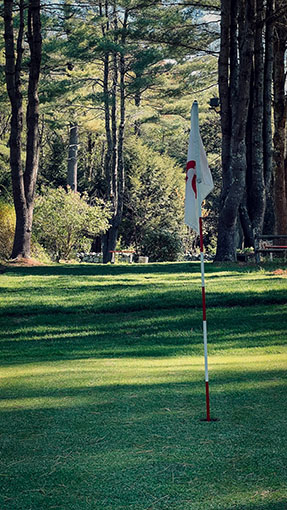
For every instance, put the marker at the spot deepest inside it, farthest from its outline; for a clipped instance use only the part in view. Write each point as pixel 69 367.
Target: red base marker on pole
pixel 207 401
pixel 208 418
pixel 204 320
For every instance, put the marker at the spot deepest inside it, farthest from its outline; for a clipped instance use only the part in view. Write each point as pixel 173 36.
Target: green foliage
pixel 7 229
pixel 38 252
pixel 154 195
pixel 161 77
pixel 161 246
pixel 53 160
pixel 5 179
pixel 63 221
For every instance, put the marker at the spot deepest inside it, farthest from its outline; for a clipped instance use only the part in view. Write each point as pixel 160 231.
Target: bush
pixel 7 229
pixel 38 252
pixel 64 222
pixel 161 246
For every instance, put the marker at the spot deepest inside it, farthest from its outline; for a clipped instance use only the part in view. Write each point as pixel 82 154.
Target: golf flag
pixel 199 181
pixel 198 184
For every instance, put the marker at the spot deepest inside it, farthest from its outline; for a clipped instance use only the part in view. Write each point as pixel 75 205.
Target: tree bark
pixel 121 163
pixel 269 219
pixel 280 107
pixel 72 179
pixel 115 173
pixel 23 182
pixel 224 93
pixel 258 202
pixel 268 70
pixel 137 124
pixel 235 156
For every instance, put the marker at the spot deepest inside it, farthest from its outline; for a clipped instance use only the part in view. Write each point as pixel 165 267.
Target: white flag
pixel 199 181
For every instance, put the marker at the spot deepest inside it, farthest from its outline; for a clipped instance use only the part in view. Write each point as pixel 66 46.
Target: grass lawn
pixel 102 388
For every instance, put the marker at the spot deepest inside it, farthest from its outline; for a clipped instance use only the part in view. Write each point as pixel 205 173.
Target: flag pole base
pixel 210 419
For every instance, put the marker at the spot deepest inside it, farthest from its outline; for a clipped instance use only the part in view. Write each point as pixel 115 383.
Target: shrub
pixel 38 252
pixel 7 229
pixel 64 221
pixel 161 246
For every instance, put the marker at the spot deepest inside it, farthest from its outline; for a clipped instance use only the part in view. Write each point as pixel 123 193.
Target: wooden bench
pixel 265 244
pixel 125 253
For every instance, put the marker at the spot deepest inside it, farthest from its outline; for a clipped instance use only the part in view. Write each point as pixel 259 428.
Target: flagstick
pixel 204 319
pixel 199 200
pixel 198 184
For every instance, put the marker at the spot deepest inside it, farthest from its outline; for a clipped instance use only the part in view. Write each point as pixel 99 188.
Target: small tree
pixel 64 221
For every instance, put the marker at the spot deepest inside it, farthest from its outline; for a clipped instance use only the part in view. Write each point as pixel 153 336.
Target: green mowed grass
pixel 102 388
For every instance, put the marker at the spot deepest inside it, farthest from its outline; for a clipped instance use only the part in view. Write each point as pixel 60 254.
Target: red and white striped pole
pixel 204 321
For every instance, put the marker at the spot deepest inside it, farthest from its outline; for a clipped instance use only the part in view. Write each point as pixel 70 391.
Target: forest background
pixel 94 106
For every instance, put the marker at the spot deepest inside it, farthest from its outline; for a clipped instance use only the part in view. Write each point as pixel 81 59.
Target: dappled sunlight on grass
pixel 90 374
pixel 135 289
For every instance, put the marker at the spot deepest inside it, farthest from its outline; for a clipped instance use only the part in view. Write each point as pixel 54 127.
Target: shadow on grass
pixel 280 505
pixel 110 269
pixel 103 269
pixel 128 446
pixel 134 298
pixel 187 379
pixel 156 333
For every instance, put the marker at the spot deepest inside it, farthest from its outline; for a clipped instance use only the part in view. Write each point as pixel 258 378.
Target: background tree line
pixel 252 89
pixel 110 115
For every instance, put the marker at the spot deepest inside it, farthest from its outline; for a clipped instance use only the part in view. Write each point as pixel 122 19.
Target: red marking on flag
pixel 193 185
pixel 190 164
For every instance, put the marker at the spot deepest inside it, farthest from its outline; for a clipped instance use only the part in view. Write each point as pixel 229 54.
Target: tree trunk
pixel 224 93
pixel 241 54
pixel 280 105
pixel 13 84
pixel 72 178
pixel 115 171
pixel 257 207
pixel 137 125
pixel 121 164
pixel 269 220
pixel 23 183
pixel 32 115
pixel 246 224
pixel 90 157
pixel 268 70
pixel 109 241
